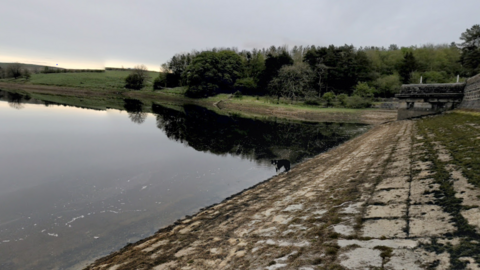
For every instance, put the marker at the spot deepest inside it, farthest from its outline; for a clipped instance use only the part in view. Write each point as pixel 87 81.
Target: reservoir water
pixel 77 183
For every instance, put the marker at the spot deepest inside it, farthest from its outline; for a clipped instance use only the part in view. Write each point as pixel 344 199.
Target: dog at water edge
pixel 279 163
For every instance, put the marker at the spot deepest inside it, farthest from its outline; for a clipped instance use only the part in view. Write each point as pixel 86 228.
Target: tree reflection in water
pixel 134 109
pixel 252 139
pixel 16 100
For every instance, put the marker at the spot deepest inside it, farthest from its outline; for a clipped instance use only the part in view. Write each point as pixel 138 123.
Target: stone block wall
pixel 421 89
pixel 471 98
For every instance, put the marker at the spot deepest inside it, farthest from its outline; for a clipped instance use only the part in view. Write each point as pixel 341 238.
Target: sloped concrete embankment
pixel 369 203
pixel 471 100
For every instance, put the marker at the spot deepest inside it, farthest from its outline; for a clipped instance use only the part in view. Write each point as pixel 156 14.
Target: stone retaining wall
pixel 471 99
pixel 422 89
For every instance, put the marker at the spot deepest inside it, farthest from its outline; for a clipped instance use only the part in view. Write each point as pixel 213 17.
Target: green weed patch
pixel 455 132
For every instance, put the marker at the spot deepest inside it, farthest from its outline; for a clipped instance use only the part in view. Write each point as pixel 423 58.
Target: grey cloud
pixel 150 32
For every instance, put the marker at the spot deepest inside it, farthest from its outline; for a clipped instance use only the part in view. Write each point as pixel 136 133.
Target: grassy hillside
pixel 110 79
pixel 28 66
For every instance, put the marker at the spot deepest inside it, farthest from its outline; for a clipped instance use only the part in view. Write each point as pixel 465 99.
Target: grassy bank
pixel 106 90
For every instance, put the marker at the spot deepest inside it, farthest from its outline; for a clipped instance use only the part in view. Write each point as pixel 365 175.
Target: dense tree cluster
pixel 14 70
pixel 311 72
pixel 211 72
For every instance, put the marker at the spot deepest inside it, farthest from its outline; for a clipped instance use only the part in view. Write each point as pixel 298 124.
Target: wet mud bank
pixel 395 197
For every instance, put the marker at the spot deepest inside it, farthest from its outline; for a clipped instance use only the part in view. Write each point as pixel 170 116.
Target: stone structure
pixel 423 99
pixel 471 98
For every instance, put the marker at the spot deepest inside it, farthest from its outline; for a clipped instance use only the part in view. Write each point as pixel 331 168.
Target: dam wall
pixel 471 98
pixel 423 99
pixel 417 100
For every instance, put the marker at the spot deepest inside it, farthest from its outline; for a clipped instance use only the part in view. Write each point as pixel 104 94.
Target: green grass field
pixel 110 79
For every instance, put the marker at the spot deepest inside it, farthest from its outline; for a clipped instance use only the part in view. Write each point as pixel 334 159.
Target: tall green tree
pixel 272 65
pixel 213 72
pixel 341 67
pixel 292 81
pixel 408 65
pixel 470 57
pixel 388 85
pixel 254 64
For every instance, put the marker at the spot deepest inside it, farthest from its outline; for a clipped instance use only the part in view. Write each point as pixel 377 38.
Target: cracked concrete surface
pixel 366 204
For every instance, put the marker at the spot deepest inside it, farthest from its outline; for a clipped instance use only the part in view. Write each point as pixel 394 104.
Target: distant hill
pixel 29 66
pixel 51 69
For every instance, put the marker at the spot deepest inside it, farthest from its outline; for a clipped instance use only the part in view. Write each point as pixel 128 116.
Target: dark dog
pixel 279 163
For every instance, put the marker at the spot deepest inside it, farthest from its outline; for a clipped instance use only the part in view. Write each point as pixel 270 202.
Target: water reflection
pixel 78 185
pixel 134 109
pixel 16 100
pixel 262 141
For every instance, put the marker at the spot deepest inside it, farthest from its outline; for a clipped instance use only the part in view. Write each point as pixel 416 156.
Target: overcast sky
pixel 93 34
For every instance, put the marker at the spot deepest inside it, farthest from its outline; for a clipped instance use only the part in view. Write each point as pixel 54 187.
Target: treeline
pixel 47 70
pixel 17 70
pixel 310 72
pixel 14 70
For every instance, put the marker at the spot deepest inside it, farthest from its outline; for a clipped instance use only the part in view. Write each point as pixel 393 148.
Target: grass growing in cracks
pixel 450 132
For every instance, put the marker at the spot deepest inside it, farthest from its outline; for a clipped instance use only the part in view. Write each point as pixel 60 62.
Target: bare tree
pixel 136 79
pixel 320 69
pixel 141 71
pixel 14 70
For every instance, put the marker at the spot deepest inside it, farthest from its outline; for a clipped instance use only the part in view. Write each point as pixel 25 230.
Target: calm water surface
pixel 76 184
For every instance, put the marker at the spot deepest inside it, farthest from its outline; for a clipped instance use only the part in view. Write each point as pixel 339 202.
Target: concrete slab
pixel 464 190
pixel 424 174
pixel 361 258
pixel 166 266
pixel 389 228
pixel 429 221
pixel 402 163
pixel 155 245
pixel 386 211
pixel 472 264
pixel 473 217
pixel 422 191
pixel 404 259
pixel 442 260
pixel 392 243
pixel 343 229
pixel 394 182
pixel 354 208
pixel 184 252
pixel 390 196
pixel 397 171
pixel 422 165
